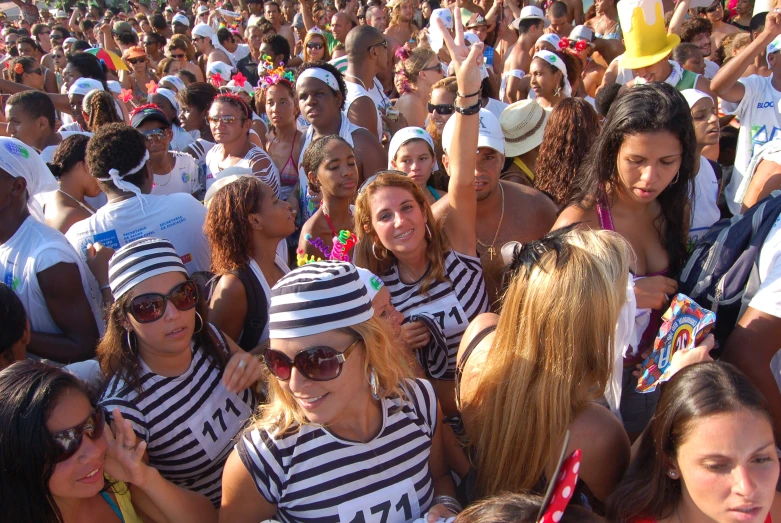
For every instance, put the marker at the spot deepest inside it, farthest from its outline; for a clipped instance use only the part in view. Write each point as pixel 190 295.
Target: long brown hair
pixel 572 127
pixel 369 244
pixel 552 354
pixel 227 225
pixel 117 358
pixel 698 391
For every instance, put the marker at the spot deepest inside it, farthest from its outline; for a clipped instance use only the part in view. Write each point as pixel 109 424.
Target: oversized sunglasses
pixel 134 61
pixel 68 442
pixel 154 134
pixel 314 45
pixel 227 120
pixel 178 56
pixel 321 363
pixel 146 308
pixel 443 109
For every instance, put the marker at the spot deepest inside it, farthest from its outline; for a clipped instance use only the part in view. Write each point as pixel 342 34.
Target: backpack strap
pixel 257 309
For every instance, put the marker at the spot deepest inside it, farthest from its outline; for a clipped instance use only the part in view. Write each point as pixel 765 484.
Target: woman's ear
pixel 393 164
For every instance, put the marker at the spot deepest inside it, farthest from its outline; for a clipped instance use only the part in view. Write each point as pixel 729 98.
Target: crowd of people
pixel 393 261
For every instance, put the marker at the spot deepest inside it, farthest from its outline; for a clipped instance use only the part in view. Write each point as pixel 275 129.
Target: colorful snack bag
pixel 685 324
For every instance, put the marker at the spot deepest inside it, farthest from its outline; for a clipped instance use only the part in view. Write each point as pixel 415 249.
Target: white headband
pixel 83 86
pixel 693 96
pixel 170 96
pixel 556 62
pixel 117 179
pixel 175 81
pixel 322 75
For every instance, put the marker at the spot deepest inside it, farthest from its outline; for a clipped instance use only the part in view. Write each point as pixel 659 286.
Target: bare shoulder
pixel 588 218
pixel 532 199
pixel 480 323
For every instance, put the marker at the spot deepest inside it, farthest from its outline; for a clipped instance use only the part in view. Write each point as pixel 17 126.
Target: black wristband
pixel 469 95
pixel 469 111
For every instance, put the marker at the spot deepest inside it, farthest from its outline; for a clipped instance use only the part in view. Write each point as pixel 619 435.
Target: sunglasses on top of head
pixel 67 442
pixel 150 307
pixel 321 363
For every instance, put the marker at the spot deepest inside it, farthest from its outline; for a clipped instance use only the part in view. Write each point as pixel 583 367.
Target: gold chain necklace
pixel 491 249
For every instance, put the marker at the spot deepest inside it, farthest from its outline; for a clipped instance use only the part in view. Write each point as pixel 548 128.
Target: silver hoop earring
pixel 130 344
pixel 675 180
pixel 430 236
pixel 374 383
pixel 374 252
pixel 201 327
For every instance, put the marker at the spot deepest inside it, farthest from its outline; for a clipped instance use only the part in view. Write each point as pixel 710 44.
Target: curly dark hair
pixel 331 69
pixel 691 28
pixel 572 127
pixel 643 109
pixel 29 64
pixel 102 110
pixel 35 103
pixel 116 146
pixel 199 95
pixel 227 225
pixel 70 152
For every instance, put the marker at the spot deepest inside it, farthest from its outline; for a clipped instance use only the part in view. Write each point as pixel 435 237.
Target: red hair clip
pixel 144 107
pixel 564 43
pixel 18 68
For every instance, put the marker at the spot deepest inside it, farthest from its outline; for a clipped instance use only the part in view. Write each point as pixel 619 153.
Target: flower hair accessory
pixel 278 76
pixel 18 68
pixel 151 87
pixel 126 95
pixel 564 43
pixel 216 79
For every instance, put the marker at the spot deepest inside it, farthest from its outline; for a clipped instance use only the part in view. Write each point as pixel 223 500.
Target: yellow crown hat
pixel 645 37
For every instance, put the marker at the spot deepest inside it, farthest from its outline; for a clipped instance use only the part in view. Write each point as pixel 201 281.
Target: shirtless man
pixel 530 25
pixel 273 14
pixel 506 211
pixel 559 20
pixel 715 14
pixel 401 28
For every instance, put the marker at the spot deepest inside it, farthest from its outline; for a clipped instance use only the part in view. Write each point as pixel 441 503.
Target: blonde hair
pixel 309 37
pixel 369 244
pixel 395 15
pixel 282 415
pixel 551 355
pixel 412 63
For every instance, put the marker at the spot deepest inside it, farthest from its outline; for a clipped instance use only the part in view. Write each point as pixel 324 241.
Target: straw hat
pixel 645 37
pixel 523 124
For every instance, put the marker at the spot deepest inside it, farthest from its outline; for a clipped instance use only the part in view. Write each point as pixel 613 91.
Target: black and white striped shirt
pixel 452 303
pixel 189 422
pixel 313 475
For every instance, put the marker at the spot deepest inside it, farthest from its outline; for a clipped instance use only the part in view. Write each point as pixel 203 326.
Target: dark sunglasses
pixel 55 37
pixel 36 71
pixel 713 8
pixel 437 67
pixel 178 56
pixel 320 363
pixel 314 45
pixel 154 134
pixel 443 109
pixel 68 441
pixel 146 308
pixel 384 43
pixel 134 61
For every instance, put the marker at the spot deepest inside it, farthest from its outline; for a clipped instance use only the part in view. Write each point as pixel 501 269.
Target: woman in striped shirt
pixel 182 384
pixel 347 434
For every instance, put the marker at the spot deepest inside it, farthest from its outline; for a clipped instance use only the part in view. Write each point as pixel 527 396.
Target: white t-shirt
pixel 355 91
pixel 32 249
pixel 241 52
pixel 496 107
pixel 183 178
pixel 181 138
pixel 705 208
pixel 760 122
pixel 177 218
pixel 768 297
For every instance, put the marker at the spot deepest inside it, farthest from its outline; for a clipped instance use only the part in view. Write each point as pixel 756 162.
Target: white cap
pixel 59 13
pixel 582 32
pixel 491 134
pixel 203 9
pixel 373 283
pixel 435 38
pixel 203 30
pixel 552 38
pixel 406 134
pixel 774 46
pixel 114 86
pixel 179 18
pixel 531 12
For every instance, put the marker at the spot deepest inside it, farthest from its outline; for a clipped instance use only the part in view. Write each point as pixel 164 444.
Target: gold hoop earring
pixel 202 323
pixel 132 350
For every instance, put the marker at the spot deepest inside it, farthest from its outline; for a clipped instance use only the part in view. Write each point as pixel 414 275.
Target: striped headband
pixel 321 74
pixel 140 260
pixel 556 62
pixel 318 297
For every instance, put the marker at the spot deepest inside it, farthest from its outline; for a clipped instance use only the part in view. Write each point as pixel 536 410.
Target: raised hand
pixel 125 454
